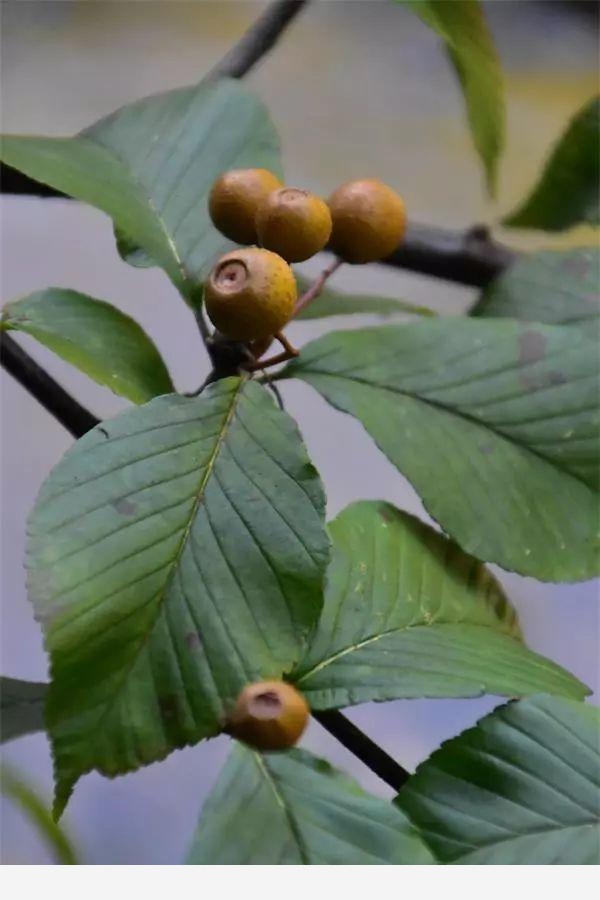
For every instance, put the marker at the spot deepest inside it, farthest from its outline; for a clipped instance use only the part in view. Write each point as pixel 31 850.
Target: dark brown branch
pixel 354 740
pixel 468 257
pixel 258 40
pixel 44 388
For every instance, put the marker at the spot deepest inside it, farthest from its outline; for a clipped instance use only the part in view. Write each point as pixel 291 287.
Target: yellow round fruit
pixel 234 200
pixel 294 223
pixel 269 715
pixel 250 294
pixel 369 220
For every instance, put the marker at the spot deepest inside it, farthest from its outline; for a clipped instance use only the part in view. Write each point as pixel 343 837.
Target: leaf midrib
pixel 460 414
pixel 376 637
pixel 284 805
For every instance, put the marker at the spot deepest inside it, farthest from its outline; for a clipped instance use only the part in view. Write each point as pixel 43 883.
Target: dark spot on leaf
pixel 486 448
pixel 555 377
pixel 532 346
pixel 192 640
pixel 124 507
pixel 104 431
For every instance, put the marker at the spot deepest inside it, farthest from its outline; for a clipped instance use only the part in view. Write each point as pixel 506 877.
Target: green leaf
pixel 20 792
pixel 130 252
pixel 291 808
pixel 568 191
pixel 559 287
pixel 21 707
pixel 521 788
pixel 493 422
pixel 95 337
pixel 408 614
pixel 461 24
pixel 150 167
pixel 336 303
pixel 175 554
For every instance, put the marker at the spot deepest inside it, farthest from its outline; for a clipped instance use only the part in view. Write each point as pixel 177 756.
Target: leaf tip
pixel 63 790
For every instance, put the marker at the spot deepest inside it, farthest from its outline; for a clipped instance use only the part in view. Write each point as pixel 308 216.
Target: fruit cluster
pixel 251 293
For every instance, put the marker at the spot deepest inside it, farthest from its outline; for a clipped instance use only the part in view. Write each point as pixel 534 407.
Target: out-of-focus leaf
pixel 336 303
pixel 568 192
pixel 462 26
pixel 559 287
pixel 20 792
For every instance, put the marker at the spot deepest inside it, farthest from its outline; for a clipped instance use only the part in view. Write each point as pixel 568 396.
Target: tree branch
pixel 74 417
pixel 468 257
pixel 354 740
pixel 258 40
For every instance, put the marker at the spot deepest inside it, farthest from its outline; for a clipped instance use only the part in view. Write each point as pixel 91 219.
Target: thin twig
pixel 258 40
pixel 74 417
pixel 315 289
pixel 357 742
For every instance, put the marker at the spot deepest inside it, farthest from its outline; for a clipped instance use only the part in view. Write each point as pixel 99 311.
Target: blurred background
pixel 355 88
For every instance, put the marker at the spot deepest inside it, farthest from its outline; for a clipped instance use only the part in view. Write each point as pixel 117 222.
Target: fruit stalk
pixel 315 289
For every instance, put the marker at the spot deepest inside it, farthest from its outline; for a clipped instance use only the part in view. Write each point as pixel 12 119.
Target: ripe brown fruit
pixel 294 223
pixel 369 220
pixel 269 715
pixel 234 200
pixel 250 294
